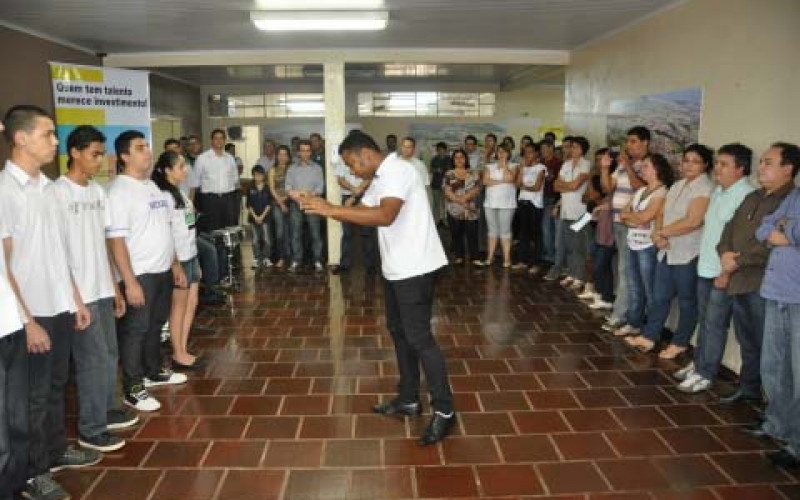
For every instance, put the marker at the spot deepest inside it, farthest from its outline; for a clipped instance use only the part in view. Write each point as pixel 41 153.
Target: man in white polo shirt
pixel 13 385
pixel 411 254
pixel 144 254
pixel 37 268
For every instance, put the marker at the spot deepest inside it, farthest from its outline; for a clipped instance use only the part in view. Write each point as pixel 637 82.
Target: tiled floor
pixel 550 407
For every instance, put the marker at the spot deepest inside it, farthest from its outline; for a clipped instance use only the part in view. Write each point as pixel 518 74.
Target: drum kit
pixel 230 238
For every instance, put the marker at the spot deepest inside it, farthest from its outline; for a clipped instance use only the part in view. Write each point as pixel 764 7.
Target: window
pixel 282 105
pixel 422 104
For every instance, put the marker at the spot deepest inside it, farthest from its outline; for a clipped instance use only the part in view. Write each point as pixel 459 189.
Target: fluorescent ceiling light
pixel 320 4
pixel 334 20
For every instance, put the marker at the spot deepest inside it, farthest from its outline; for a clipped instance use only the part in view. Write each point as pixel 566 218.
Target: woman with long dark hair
pixel 461 189
pixel 678 237
pixel 168 174
pixel 640 216
pixel 280 203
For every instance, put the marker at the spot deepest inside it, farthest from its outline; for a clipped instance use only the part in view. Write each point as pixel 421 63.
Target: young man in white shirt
pixel 13 385
pixel 82 206
pixel 411 254
pixel 36 263
pixel 144 255
pixel 571 183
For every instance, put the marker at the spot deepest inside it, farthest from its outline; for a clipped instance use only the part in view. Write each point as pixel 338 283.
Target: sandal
pixel 641 344
pixel 671 352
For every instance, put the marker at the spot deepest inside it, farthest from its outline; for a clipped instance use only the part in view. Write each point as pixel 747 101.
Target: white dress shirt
pixel 39 254
pixel 217 174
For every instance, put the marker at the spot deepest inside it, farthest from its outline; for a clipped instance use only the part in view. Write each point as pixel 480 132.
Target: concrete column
pixel 334 134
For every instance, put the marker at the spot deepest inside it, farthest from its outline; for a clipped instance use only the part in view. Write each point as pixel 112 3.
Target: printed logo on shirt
pixel 77 207
pixel 156 204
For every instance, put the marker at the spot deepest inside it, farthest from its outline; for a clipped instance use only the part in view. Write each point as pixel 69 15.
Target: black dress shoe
pixel 437 429
pixel 396 408
pixel 783 458
pixel 739 397
pixel 756 430
pixel 198 364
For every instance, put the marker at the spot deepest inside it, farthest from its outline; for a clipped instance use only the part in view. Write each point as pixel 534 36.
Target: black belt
pixel 220 195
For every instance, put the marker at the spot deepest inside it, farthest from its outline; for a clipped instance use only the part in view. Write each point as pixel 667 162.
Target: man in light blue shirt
pixel 715 305
pixel 305 176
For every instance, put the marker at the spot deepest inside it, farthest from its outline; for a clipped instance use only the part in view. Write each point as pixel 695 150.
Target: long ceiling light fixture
pixel 332 20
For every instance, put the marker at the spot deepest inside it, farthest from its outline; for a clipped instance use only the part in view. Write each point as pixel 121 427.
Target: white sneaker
pixel 694 383
pixel 255 265
pixel 684 372
pixel 166 378
pixel 567 281
pixel 601 304
pixel 576 286
pixel 293 268
pixel 589 295
pixel 141 400
pixel 319 267
pixel 626 330
pixel 266 263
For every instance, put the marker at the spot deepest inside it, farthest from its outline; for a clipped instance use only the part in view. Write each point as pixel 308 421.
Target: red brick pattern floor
pixel 550 407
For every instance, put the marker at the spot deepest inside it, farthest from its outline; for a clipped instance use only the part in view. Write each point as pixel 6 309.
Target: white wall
pixel 743 53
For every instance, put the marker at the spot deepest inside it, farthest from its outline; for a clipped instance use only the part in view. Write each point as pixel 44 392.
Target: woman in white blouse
pixel 500 179
pixel 678 238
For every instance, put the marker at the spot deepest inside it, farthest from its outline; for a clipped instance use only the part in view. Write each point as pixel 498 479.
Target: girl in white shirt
pixel 530 208
pixel 169 172
pixel 640 216
pixel 500 204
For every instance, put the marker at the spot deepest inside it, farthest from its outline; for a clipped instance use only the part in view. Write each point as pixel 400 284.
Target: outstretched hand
pixel 316 205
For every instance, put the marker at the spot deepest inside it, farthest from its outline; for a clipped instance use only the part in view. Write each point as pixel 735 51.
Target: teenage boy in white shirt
pixel 38 272
pixel 141 244
pixel 411 255
pixel 83 209
pixel 13 386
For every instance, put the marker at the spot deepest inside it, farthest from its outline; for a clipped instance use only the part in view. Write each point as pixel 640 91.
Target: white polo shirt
pixel 39 256
pixel 10 312
pixel 410 246
pixel 184 233
pixel 529 176
pixel 422 169
pixel 84 213
pixel 572 206
pixel 216 174
pixel 141 213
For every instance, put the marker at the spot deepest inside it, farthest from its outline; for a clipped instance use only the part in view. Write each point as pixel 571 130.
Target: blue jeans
pixel 621 300
pixel 715 310
pixel 297 218
pixel 673 280
pixel 209 261
pixel 368 242
pixel 780 372
pixel 603 271
pixel 640 285
pixel 261 241
pixel 282 239
pixel 96 355
pixel 549 231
